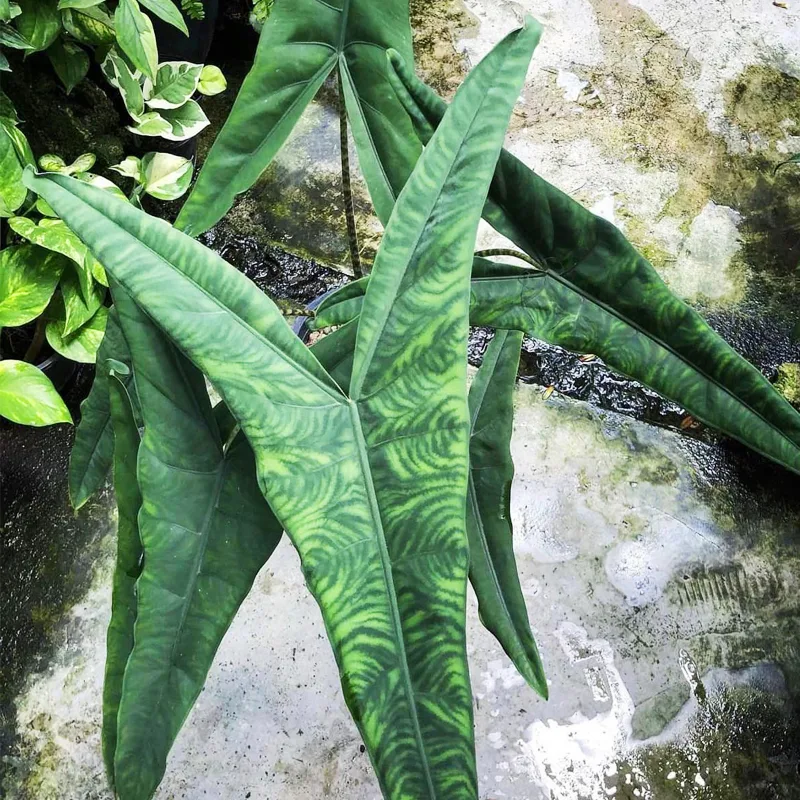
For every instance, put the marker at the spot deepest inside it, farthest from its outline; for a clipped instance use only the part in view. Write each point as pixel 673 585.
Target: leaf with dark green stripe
pixel 335 352
pixel 493 571
pixel 93 449
pixel 301 43
pixel 493 568
pixel 205 530
pixel 637 325
pixel 370 488
pixel 128 567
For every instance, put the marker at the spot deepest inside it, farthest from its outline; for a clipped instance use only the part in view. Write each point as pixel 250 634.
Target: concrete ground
pixel 661 571
pixel 664 595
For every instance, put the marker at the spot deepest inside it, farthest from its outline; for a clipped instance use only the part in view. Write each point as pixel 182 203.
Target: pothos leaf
pixel 81 345
pixel 39 23
pixel 12 190
pixel 70 62
pixel 175 83
pixel 135 36
pixel 168 11
pixel 176 124
pixel 212 81
pixel 27 395
pixel 165 176
pixel 90 25
pixel 28 277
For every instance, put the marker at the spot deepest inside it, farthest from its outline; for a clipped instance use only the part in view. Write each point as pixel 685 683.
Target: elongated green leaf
pixel 637 325
pixel 28 277
pixel 135 36
pixel 128 567
pixel 92 451
pixel 28 396
pixel 206 531
pixel 301 43
pixel 372 488
pixel 39 22
pixel 493 568
pixel 168 11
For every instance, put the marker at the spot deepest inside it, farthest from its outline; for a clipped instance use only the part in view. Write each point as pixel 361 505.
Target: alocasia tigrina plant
pixel 370 484
pixel 389 479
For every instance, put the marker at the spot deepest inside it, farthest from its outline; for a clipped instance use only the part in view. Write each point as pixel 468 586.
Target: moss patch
pixel 647 114
pixel 787 382
pixel 436 26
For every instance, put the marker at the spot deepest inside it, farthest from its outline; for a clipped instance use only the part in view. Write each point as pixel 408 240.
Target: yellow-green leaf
pixel 28 277
pixel 28 396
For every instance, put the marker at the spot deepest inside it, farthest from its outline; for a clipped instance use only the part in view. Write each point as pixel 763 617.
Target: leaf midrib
pixel 386 565
pixel 361 371
pixel 205 533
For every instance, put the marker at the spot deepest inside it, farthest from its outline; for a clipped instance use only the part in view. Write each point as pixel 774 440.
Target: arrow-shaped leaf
pixel 370 488
pixel 205 530
pixel 638 326
pixel 301 43
pixel 93 449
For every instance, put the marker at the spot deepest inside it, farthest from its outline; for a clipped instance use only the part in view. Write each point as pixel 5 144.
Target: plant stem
pixel 349 211
pixel 500 251
pixel 38 340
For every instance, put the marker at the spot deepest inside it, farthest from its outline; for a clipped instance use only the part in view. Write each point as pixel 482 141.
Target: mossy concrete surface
pixel 662 582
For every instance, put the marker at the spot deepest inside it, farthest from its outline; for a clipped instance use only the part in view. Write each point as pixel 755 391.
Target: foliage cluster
pixel 49 281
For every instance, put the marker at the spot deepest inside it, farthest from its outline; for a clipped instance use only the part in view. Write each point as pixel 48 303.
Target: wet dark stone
pixel 281 275
pixel 45 550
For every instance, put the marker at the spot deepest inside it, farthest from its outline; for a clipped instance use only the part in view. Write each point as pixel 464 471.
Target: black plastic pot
pixel 60 370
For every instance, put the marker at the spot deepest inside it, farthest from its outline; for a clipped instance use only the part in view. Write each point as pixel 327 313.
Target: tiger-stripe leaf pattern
pixel 301 43
pixel 493 568
pixel 619 307
pixel 547 307
pixel 371 488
